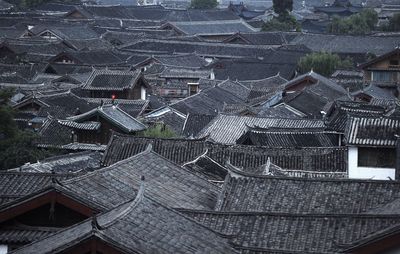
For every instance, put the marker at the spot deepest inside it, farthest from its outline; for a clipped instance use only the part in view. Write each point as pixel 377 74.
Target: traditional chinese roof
pixel 289 137
pixel 207 167
pixel 155 227
pixel 88 125
pixel 207 102
pixel 247 157
pixel 114 80
pixel 182 73
pixel 19 184
pixel 113 114
pixel 265 232
pixel 176 150
pixel 166 182
pixel 372 131
pixel 134 108
pixel 219 27
pixel 227 129
pixel 185 60
pixel 98 57
pixel 246 192
pixel 342 44
pixel 211 49
pixel 260 38
pixel 74 162
pixel 194 123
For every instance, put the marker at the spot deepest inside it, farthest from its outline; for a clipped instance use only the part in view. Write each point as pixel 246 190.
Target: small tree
pixel 159 131
pixel 16 146
pixel 282 7
pixel 204 4
pixel 361 23
pixel 323 63
pixel 284 21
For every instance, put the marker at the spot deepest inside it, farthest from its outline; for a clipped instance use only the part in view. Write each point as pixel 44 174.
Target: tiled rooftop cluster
pixel 179 130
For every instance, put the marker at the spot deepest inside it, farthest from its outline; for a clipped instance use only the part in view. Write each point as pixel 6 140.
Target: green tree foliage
pixel 357 24
pixel 394 23
pixel 323 63
pixel 282 7
pixel 16 147
pixel 284 21
pixel 159 131
pixel 204 4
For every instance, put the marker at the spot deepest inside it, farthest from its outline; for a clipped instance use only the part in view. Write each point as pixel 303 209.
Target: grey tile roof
pixel 70 163
pixel 155 13
pixel 195 123
pixel 155 228
pixel 19 184
pixel 53 134
pixel 182 73
pixel 96 57
pixel 124 37
pixel 268 84
pixel 166 182
pixel 376 92
pixel 207 102
pixel 372 131
pixel 41 49
pixel 224 27
pixel 23 235
pixel 113 114
pixel 347 44
pixel 207 167
pixel 289 138
pixel 83 147
pixel 260 38
pixel 185 60
pixel 270 64
pixel 61 105
pixel 115 80
pixel 88 125
pixel 201 48
pixel 67 32
pixel 292 233
pixel 133 107
pixel 340 110
pixel 245 192
pixel 247 157
pixel 235 88
pixel 176 150
pixel 171 119
pixel 226 129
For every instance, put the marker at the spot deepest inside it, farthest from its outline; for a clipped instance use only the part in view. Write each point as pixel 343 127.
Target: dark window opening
pixel 376 157
pixel 394 62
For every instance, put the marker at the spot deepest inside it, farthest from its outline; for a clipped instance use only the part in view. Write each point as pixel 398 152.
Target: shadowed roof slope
pixel 166 182
pixel 138 226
